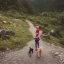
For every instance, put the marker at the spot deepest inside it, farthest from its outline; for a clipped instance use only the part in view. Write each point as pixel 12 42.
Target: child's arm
pixel 38 38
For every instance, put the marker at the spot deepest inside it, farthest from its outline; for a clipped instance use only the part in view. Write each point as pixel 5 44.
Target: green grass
pixel 51 40
pixel 21 30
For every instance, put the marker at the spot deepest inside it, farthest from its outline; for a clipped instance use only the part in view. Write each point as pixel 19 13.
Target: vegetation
pixel 47 5
pixel 16 24
pixel 50 21
pixel 18 5
pixel 48 14
pixel 13 12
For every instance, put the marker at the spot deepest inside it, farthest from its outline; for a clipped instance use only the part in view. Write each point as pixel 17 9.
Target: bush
pixel 48 37
pixel 57 33
pixel 52 14
pixel 53 21
pixel 61 18
pixel 44 14
pixel 46 30
pixel 62 41
pixel 13 14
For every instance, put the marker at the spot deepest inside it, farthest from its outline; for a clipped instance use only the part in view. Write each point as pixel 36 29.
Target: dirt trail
pixel 22 57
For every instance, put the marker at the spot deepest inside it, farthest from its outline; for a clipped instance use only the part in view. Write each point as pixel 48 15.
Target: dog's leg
pixel 32 51
pixel 38 54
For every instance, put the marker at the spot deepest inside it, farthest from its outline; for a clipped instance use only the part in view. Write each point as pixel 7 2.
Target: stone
pixel 4 33
pixel 0 30
pixel 52 31
pixel 4 22
pixel 4 37
pixel 61 53
pixel 56 53
pixel 7 49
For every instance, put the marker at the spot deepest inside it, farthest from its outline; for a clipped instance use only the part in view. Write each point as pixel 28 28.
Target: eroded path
pixel 22 57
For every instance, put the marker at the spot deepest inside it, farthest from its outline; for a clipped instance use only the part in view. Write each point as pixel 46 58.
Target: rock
pixel 4 22
pixel 56 53
pixel 0 30
pixel 52 31
pixel 61 53
pixel 7 49
pixel 4 37
pixel 61 57
pixel 4 33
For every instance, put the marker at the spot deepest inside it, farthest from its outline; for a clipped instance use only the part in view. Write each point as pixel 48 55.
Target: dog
pixel 39 51
pixel 30 51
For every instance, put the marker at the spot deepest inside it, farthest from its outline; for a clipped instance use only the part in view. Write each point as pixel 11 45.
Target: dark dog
pixel 30 51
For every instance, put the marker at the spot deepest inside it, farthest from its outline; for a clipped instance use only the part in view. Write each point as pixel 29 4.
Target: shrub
pixel 57 34
pixel 53 21
pixel 44 14
pixel 61 19
pixel 13 14
pixel 62 41
pixel 48 37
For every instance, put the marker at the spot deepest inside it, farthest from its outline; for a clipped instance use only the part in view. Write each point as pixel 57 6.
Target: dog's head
pixel 30 48
pixel 41 47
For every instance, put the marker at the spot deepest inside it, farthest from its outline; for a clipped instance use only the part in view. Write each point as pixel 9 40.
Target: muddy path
pixel 22 56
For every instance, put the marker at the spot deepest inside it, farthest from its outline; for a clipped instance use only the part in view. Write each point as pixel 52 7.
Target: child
pixel 37 30
pixel 37 42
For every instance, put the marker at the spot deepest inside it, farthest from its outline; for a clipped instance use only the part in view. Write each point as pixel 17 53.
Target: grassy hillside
pixel 50 21
pixel 15 23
